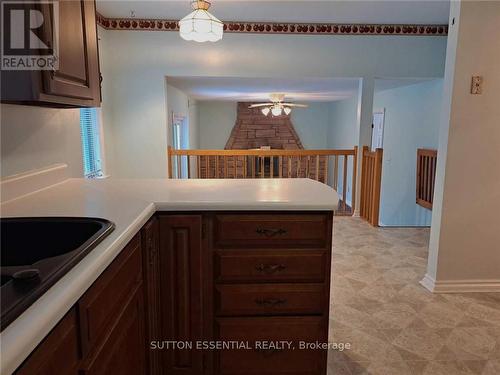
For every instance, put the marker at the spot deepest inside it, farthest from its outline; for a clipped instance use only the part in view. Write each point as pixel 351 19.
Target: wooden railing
pixel 371 175
pixel 426 176
pixel 335 168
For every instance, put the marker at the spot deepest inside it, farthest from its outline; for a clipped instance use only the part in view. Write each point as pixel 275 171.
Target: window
pixel 91 142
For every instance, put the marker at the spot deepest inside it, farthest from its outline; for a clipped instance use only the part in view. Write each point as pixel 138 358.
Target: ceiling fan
pixel 277 106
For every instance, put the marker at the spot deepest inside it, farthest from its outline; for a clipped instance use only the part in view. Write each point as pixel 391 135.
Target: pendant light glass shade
pixel 276 110
pixel 265 111
pixel 200 25
pixel 287 110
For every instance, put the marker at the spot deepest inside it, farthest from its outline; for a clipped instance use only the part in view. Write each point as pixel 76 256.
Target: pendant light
pixel 200 25
pixel 276 110
pixel 265 111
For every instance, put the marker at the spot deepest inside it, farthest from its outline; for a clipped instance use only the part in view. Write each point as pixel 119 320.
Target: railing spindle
pixel 317 167
pixel 325 177
pixel 344 183
pixel 336 173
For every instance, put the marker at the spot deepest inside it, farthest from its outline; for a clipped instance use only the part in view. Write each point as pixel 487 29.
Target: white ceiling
pixel 326 11
pixel 257 89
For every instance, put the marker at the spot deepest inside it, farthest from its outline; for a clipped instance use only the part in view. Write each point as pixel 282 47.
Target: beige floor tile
pixel 447 368
pixel 471 343
pixel 389 368
pixel 396 326
pixel 441 315
pixel 394 316
pixel 491 368
pixel 425 343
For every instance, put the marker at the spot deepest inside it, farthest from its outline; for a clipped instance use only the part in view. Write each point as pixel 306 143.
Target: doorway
pixel 180 140
pixel 378 129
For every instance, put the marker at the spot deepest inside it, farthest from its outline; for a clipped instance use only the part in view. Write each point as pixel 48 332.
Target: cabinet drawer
pixel 270 265
pixel 276 230
pixel 269 299
pixel 101 304
pixel 268 361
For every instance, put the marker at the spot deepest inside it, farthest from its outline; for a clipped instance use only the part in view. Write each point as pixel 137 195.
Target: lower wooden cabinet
pixel 203 277
pixel 104 332
pixel 152 270
pixel 181 287
pixel 59 353
pixel 284 358
pixel 123 351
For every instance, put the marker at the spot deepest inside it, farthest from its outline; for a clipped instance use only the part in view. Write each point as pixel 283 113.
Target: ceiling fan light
pixel 200 25
pixel 276 110
pixel 287 110
pixel 265 111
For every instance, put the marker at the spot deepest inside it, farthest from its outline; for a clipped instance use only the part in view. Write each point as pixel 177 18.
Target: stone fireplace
pixel 254 130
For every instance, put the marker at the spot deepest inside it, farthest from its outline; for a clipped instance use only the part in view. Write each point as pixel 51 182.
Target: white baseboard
pixel 18 185
pixel 460 286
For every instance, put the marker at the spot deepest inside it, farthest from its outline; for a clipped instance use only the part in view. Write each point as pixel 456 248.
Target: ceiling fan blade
pixel 260 105
pixel 295 105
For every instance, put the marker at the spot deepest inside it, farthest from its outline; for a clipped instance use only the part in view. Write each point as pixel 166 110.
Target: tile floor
pixel 393 324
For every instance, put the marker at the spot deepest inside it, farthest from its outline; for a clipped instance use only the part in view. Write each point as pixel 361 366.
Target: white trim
pixel 428 282
pixel 460 286
pixel 19 185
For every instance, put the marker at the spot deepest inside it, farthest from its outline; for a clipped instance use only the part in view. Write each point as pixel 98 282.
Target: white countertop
pixel 129 204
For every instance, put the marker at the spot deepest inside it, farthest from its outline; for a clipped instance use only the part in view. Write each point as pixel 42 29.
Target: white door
pixel 180 141
pixel 378 129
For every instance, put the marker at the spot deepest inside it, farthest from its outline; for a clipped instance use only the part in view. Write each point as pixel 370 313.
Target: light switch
pixel 476 87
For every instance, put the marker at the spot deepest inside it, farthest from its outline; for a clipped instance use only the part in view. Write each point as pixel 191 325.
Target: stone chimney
pixel 254 130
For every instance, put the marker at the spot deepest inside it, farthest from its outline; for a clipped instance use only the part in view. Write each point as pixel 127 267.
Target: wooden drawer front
pixel 270 265
pixel 269 299
pixel 58 353
pixel 272 362
pixel 100 305
pixel 262 230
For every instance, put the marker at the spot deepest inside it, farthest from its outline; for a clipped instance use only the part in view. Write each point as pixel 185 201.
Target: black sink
pixel 36 252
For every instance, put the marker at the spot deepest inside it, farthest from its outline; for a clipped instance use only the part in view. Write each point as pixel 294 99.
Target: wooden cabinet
pixel 181 291
pixel 59 352
pixel 192 277
pixel 104 332
pixel 76 83
pixel 152 270
pixel 260 360
pixel 123 352
pixel 271 282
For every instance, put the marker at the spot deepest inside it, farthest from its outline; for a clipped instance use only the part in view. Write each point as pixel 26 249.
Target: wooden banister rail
pixel 371 177
pixel 336 168
pixel 426 177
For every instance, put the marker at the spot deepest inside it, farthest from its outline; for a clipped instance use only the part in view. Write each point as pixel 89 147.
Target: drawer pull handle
pixel 270 268
pixel 268 352
pixel 271 232
pixel 270 301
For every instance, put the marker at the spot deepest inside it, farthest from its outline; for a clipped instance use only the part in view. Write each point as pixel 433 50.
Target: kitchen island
pixel 236 214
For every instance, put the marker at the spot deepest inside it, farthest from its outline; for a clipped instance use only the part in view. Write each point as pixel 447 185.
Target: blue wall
pixel 342 134
pixel 411 121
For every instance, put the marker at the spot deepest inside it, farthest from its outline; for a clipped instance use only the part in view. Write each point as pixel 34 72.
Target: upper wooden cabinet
pixel 76 82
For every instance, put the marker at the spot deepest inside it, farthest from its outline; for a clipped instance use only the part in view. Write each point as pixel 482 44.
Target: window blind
pixel 91 147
